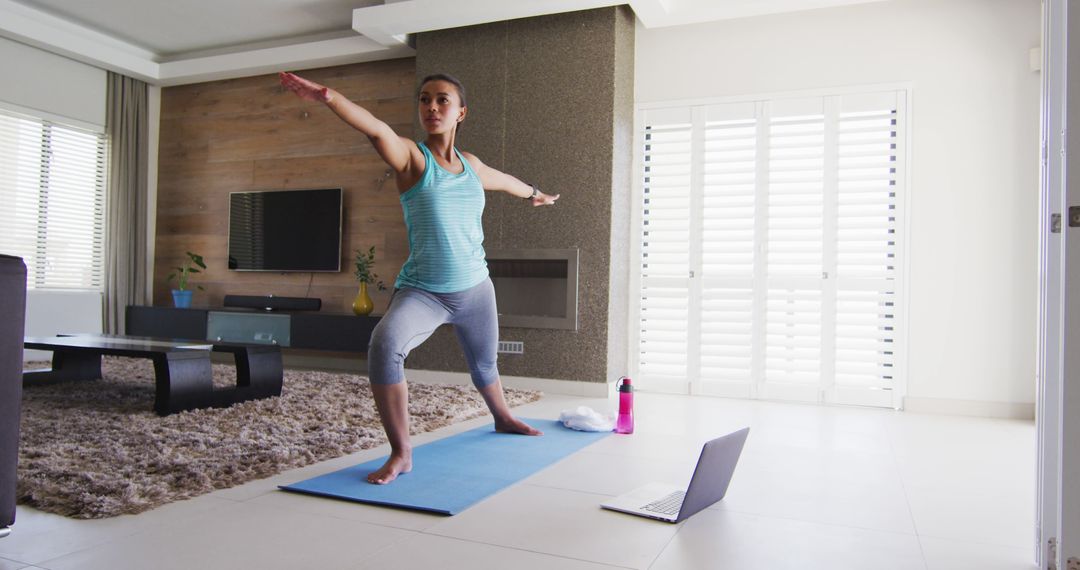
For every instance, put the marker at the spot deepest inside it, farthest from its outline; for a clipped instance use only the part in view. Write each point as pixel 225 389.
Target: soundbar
pixel 274 303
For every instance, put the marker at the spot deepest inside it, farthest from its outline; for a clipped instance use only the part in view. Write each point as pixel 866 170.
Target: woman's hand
pixel 542 199
pixel 305 89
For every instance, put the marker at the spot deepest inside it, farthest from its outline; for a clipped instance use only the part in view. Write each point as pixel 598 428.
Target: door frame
pixel 1069 406
pixel 1057 503
pixel 1048 372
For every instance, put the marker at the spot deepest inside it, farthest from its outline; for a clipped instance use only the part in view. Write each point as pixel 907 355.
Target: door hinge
pixel 1055 223
pixel 1074 216
pixel 1051 553
pixel 1073 564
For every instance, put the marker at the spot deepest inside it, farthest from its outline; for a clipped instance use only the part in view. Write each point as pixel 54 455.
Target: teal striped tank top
pixel 442 215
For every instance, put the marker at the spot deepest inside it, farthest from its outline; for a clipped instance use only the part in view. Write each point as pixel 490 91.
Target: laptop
pixel 673 504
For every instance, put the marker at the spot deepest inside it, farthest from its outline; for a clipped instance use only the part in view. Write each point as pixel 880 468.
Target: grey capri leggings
pixel 414 315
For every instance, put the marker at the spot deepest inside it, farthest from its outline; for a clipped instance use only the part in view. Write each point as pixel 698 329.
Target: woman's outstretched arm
pixel 392 148
pixel 495 180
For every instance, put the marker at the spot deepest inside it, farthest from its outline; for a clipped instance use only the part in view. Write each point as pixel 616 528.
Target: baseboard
pixel 565 387
pixel 975 408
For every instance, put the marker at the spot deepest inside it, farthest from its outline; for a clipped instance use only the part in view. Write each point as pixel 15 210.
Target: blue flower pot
pixel 181 299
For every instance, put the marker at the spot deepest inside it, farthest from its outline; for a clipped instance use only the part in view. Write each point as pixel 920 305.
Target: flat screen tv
pixel 285 230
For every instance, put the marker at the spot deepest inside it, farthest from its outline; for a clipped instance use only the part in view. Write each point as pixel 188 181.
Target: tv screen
pixel 285 230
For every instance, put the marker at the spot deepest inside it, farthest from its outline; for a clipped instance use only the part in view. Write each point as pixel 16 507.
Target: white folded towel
pixel 584 418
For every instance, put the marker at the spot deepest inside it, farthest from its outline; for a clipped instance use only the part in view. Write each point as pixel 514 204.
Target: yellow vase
pixel 362 305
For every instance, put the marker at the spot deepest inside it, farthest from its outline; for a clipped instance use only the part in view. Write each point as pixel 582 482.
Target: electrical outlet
pixel 511 347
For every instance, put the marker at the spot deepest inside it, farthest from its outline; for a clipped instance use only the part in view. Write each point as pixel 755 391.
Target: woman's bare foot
pixel 392 402
pixel 394 466
pixel 505 422
pixel 514 425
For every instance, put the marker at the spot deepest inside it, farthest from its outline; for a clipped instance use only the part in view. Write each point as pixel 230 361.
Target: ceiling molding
pixel 390 23
pixel 651 13
pixel 47 32
pixel 326 53
pixel 44 31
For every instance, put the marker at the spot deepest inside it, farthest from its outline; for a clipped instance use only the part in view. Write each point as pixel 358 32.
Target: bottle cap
pixel 625 385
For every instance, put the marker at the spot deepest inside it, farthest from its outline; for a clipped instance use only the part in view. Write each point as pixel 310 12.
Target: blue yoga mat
pixel 451 474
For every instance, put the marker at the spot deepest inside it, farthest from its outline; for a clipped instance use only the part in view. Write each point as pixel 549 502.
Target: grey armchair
pixel 12 317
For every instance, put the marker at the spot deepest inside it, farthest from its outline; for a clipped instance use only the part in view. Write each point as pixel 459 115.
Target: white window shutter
pixel 871 166
pixel 729 206
pixel 665 248
pixel 772 248
pixel 794 249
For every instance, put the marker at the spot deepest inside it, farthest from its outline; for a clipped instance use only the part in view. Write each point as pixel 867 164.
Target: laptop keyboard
pixel 668 505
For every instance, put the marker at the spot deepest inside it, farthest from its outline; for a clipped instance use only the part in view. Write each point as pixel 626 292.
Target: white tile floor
pixel 817 487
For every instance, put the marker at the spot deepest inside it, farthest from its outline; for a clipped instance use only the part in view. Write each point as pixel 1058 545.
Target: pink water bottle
pixel 625 421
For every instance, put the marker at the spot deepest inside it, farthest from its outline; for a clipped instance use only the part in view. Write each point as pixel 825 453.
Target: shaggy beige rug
pixel 96 449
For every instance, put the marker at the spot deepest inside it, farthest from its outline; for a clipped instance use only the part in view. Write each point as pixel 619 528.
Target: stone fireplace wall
pixel 551 101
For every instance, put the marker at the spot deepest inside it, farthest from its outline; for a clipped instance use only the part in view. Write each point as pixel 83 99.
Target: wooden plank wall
pixel 249 134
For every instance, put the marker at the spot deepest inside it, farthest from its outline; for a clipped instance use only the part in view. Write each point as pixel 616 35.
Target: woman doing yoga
pixel 445 279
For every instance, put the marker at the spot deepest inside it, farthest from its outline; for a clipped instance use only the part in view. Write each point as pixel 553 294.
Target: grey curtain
pixel 125 235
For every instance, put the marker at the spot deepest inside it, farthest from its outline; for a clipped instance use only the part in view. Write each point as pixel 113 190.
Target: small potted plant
pixel 362 305
pixel 182 295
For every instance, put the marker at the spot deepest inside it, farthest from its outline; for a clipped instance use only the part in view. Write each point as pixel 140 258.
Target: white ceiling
pixel 186 41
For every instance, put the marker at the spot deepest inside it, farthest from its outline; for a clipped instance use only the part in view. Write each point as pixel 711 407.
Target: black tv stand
pixel 273 303
pixel 338 332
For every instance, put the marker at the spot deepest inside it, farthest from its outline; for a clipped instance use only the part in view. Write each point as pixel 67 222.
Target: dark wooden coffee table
pixel 182 369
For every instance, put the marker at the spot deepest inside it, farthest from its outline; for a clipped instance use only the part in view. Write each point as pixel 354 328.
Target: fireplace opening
pixel 535 288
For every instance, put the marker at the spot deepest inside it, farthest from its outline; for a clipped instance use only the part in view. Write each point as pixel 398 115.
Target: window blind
pixel 52 185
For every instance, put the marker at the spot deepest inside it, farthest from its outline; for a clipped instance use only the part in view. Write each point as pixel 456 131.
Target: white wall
pixel 60 312
pixel 974 163
pixel 62 90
